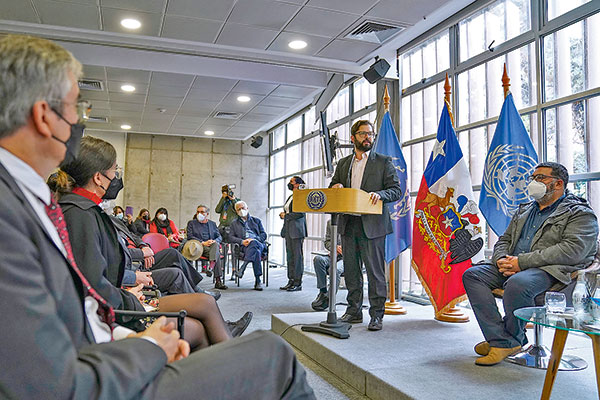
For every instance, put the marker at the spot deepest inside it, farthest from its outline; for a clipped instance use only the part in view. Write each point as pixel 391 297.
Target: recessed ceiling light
pixel 131 23
pixel 209 133
pixel 243 99
pixel 128 88
pixel 126 127
pixel 297 44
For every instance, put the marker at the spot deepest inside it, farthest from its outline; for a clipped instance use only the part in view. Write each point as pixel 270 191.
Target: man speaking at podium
pixel 363 236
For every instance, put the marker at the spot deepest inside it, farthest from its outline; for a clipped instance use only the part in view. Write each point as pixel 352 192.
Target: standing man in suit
pixel 363 236
pixel 66 344
pixel 294 232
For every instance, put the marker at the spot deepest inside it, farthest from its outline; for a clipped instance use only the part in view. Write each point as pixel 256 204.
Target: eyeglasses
pixel 540 177
pixel 364 134
pixel 83 107
pixel 118 173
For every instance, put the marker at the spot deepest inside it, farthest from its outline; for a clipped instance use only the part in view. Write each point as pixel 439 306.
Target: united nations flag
pixel 510 160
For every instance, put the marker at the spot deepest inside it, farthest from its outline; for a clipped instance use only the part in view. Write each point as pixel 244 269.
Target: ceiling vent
pixel 227 115
pixel 374 32
pixel 102 120
pixel 91 84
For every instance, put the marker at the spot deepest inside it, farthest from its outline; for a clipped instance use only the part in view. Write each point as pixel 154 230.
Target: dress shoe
pixel 241 270
pixel 351 318
pixel 216 295
pixel 286 287
pixel 258 286
pixel 376 324
pixel 233 275
pixel 295 288
pixel 496 355
pixel 207 271
pixel 220 285
pixel 482 348
pixel 321 302
pixel 238 327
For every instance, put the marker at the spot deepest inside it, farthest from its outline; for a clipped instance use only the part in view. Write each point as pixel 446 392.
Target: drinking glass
pixel 556 302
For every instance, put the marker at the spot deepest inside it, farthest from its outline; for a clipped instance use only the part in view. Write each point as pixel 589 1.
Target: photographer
pixel 226 209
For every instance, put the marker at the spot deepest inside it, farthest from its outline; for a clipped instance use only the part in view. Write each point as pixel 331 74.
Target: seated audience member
pixel 321 266
pixel 248 232
pixel 97 250
pixel 226 210
pixel 141 225
pixel 545 241
pixel 119 213
pixel 206 232
pixel 162 224
pixel 61 347
pixel 59 183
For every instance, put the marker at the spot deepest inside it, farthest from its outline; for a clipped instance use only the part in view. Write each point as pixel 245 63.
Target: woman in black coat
pixel 98 252
pixel 141 225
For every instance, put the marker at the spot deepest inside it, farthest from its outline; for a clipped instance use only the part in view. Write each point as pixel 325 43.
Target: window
pixel 278 137
pixel 364 94
pixel 559 7
pixel 339 107
pixel 426 60
pixel 294 129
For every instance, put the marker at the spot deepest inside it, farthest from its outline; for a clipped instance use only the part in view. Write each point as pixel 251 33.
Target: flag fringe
pixel 448 306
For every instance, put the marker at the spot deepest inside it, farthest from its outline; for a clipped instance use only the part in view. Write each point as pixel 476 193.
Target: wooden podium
pixel 334 202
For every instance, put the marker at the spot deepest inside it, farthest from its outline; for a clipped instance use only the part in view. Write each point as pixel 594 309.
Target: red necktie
pixel 105 311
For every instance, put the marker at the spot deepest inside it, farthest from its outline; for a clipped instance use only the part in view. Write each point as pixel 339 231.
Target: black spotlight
pixel 377 70
pixel 256 142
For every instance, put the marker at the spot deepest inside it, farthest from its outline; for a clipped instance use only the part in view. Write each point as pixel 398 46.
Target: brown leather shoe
pixel 482 348
pixel 496 355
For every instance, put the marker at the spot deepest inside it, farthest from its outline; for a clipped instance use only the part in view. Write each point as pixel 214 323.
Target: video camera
pixel 228 189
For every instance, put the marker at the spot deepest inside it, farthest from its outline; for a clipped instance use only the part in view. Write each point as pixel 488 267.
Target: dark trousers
pixel 171 281
pixel 295 259
pixel 520 290
pixel 213 253
pixel 253 253
pixel 173 258
pixel 359 249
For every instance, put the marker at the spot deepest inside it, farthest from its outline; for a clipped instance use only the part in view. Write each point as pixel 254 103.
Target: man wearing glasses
pixel 363 236
pixel 546 240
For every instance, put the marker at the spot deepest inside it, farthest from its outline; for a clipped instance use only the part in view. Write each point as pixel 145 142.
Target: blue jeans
pixel 520 290
pixel 321 266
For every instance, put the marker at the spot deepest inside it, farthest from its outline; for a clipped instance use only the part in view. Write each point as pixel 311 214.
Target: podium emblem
pixel 316 200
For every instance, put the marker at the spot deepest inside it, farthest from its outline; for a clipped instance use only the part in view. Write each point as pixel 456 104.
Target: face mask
pixel 162 217
pixel 290 186
pixel 536 190
pixel 72 143
pixel 200 217
pixel 146 217
pixel 119 215
pixel 113 189
pixel 243 213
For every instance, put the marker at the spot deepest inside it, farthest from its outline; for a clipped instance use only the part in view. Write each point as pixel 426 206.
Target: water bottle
pixel 580 294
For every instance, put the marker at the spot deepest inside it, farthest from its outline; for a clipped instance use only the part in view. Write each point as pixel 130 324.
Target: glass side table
pixel 563 324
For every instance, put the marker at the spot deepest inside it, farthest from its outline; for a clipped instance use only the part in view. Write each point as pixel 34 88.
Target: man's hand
pixel 167 337
pixel 137 292
pixel 225 194
pixel 339 249
pixel 337 186
pixel 172 238
pixel 282 215
pixel 374 197
pixel 508 265
pixel 147 251
pixel 143 278
pixel 246 242
pixel 208 243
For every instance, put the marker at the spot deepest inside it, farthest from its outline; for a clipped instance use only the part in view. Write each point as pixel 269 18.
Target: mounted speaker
pixel 377 71
pixel 256 142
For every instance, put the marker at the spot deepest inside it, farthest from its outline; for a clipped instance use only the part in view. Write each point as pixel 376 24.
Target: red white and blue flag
pixel 446 226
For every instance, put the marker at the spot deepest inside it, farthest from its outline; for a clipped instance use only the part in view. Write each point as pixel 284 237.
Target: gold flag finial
pixel 386 99
pixel 505 82
pixel 447 93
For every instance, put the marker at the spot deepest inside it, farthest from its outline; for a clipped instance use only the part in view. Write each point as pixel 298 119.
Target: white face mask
pixel 200 217
pixel 119 215
pixel 243 213
pixel 536 189
pixel 162 217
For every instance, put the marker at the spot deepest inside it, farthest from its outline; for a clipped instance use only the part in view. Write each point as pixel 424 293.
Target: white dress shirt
pixel 358 170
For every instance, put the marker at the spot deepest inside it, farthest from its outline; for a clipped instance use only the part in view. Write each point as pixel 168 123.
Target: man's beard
pixel 363 146
pixel 549 192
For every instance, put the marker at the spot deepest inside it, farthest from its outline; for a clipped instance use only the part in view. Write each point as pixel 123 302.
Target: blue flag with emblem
pixel 387 144
pixel 510 160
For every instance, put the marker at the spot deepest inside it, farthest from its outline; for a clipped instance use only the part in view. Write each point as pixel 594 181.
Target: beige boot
pixel 496 355
pixel 482 348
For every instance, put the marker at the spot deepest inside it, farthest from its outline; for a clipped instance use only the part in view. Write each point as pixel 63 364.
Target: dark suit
pixel 207 231
pixel 256 248
pixel 294 232
pixel 363 237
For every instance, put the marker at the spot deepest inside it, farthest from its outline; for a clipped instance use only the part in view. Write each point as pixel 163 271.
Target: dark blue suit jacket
pixel 193 230
pixel 238 230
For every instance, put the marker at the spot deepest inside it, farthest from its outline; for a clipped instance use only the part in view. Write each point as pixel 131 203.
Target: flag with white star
pixel 447 232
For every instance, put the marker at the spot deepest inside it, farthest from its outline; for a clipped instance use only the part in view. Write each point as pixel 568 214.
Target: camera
pixel 228 189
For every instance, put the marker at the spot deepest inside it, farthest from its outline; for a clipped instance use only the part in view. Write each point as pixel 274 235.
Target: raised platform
pixel 416 357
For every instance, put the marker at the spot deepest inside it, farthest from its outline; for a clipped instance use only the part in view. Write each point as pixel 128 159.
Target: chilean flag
pixel 447 231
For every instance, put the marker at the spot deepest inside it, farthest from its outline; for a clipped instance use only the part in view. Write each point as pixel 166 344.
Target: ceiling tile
pixel 99 105
pixel 278 101
pixel 119 105
pixel 296 92
pixel 152 111
pixel 176 131
pixel 195 29
pixel 248 87
pixel 128 75
pixel 200 103
pixel 168 91
pixel 68 14
pixel 210 83
pixel 164 101
pixel 320 22
pixel 115 87
pixel 169 79
pixel 257 117
pixel 410 11
pixel 151 6
pixel 242 124
pixel 349 6
pixel 182 119
pixel 269 110
pixel 313 43
pixel 210 9
pixel 131 115
pixel 237 133
pixel 214 122
pixel 17 11
pixel 246 36
pixel 93 72
pixel 111 18
pixel 128 97
pixel 347 50
pixel 195 111
pixel 206 94
pixel 94 95
pixel 265 13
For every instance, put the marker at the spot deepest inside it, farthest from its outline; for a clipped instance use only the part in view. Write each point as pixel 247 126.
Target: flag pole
pixel 451 314
pixel 505 82
pixel 392 307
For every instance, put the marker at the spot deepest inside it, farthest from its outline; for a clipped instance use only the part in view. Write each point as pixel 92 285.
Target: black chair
pixel 237 255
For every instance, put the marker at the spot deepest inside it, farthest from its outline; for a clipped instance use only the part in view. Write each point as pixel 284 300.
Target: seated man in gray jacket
pixel 321 266
pixel 545 241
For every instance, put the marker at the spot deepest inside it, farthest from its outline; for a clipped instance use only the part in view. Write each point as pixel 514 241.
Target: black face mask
pixel 111 192
pixel 290 186
pixel 72 143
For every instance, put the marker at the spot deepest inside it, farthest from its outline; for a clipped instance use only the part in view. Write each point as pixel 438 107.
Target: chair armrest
pixel 180 315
